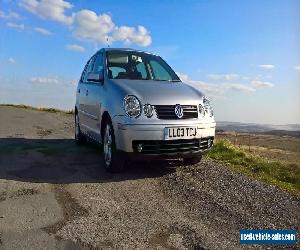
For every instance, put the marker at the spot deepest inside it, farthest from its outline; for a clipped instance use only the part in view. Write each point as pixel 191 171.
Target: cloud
pixel 297 67
pixel 225 77
pixel 130 35
pixel 11 60
pixel 101 28
pixel 10 15
pixel 92 27
pixel 44 80
pixel 266 66
pixel 73 82
pixel 49 9
pixel 218 90
pixel 42 31
pixel 262 77
pixel 87 24
pixel 75 47
pixel 48 81
pixel 213 90
pixel 261 84
pixel 19 27
pixel 238 87
pixel 245 78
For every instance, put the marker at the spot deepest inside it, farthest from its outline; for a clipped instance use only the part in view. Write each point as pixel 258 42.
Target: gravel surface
pixel 55 195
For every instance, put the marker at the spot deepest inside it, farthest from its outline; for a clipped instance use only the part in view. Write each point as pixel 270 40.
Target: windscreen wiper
pixel 165 80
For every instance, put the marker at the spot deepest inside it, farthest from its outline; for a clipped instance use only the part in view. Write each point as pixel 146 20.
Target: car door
pixel 84 110
pixel 80 96
pixel 94 99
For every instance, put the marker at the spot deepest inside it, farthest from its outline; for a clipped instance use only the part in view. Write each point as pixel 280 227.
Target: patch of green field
pixel 285 176
pixel 51 110
pixel 268 141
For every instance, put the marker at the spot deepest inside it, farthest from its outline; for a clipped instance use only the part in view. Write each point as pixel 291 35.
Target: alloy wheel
pixel 107 146
pixel 77 129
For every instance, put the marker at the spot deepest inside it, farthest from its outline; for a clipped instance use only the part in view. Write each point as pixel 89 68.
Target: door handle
pixel 87 93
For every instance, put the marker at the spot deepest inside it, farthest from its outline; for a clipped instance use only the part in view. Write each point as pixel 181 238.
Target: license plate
pixel 180 133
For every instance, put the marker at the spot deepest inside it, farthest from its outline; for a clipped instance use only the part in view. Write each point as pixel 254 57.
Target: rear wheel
pixel 112 162
pixel 79 136
pixel 192 160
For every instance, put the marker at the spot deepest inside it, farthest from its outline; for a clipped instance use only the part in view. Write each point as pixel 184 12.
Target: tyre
pixel 112 161
pixel 192 160
pixel 79 136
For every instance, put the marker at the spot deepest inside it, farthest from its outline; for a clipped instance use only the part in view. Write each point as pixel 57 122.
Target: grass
pixel 51 110
pixel 286 143
pixel 285 176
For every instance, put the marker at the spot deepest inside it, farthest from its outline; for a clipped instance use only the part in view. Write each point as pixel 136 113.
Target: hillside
pixel 280 130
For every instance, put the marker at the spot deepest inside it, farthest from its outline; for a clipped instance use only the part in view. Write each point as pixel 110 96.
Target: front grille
pixel 167 112
pixel 172 146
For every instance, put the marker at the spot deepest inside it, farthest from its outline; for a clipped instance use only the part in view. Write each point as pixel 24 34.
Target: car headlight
pixel 207 107
pixel 148 110
pixel 201 110
pixel 132 106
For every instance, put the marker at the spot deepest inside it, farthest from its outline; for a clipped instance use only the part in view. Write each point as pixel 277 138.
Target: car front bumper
pixel 151 136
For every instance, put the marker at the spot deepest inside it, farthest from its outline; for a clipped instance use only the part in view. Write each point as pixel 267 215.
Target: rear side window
pixel 91 64
pixel 98 65
pixel 84 72
pixel 88 68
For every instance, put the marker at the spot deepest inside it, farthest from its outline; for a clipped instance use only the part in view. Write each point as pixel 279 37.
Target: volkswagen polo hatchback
pixel 135 105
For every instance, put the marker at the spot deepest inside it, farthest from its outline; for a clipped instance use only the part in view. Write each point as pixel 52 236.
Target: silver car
pixel 135 105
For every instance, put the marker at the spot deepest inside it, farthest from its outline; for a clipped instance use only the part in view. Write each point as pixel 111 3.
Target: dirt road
pixel 55 195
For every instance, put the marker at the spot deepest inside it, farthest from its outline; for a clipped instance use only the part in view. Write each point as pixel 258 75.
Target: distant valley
pixel 280 130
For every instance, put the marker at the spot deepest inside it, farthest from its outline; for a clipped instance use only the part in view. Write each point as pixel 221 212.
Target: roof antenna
pixel 107 41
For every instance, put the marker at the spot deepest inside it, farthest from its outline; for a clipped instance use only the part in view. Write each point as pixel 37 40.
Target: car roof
pixel 126 49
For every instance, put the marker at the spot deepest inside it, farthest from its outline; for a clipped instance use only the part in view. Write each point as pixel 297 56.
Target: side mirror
pixel 95 77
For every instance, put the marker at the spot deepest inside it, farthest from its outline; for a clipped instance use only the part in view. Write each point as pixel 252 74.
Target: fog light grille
pixel 172 146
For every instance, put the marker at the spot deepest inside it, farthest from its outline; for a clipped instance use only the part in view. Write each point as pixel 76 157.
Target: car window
pixel 138 66
pixel 91 64
pixel 114 72
pixel 142 70
pixel 159 72
pixel 84 72
pixel 89 68
pixel 98 65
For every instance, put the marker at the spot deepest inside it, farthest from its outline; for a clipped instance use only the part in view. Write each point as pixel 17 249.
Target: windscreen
pixel 138 66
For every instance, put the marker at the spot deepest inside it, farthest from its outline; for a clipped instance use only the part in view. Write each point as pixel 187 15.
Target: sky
pixel 244 55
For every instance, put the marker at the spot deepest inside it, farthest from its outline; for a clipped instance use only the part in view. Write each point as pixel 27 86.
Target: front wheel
pixel 192 160
pixel 112 162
